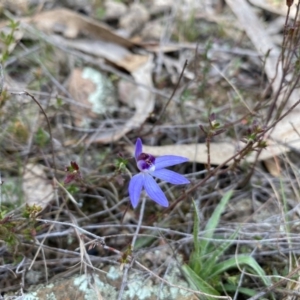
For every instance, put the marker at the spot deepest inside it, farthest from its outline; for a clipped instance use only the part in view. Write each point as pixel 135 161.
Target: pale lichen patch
pixel 113 273
pixel 51 296
pixel 31 296
pixel 140 286
pixel 102 99
pixel 139 289
pixel 92 287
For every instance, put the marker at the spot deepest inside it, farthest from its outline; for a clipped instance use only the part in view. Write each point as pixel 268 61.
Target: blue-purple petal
pixel 170 176
pixel 138 148
pixel 154 191
pixel 168 161
pixel 135 188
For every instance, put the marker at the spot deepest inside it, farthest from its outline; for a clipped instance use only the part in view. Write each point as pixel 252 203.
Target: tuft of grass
pixel 8 39
pixel 206 268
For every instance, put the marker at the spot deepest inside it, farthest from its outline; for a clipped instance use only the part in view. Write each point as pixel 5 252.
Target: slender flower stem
pixel 127 266
pixel 124 282
pixel 1 79
pixel 139 223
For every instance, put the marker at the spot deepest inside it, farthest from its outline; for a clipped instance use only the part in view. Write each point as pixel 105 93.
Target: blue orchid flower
pixel 150 166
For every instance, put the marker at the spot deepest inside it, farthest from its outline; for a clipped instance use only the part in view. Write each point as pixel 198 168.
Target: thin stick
pixel 169 100
pixel 238 155
pixel 48 124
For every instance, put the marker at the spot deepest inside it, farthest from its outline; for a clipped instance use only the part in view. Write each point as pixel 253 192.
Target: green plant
pixel 15 230
pixel 41 137
pixel 8 39
pixel 206 270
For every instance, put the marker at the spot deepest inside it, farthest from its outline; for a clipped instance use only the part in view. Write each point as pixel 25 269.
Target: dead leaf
pixel 219 152
pixel 17 7
pixel 143 102
pixel 273 166
pixel 114 53
pixel 36 187
pixel 99 39
pixel 276 7
pixel 72 25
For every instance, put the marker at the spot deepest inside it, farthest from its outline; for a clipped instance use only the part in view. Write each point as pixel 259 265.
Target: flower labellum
pixel 73 173
pixel 150 167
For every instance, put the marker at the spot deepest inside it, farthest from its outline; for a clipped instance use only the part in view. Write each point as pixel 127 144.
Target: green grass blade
pixel 143 242
pixel 194 260
pixel 198 283
pixel 213 222
pixel 246 291
pixel 240 260
pixel 196 228
pixel 213 257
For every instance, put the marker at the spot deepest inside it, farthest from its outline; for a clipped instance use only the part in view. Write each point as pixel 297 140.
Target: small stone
pixel 152 31
pixel 114 10
pixel 135 19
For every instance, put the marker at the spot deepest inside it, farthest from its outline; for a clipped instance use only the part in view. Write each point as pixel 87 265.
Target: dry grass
pixel 89 223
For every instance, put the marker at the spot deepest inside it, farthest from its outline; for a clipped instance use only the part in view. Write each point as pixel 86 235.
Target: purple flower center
pixel 145 162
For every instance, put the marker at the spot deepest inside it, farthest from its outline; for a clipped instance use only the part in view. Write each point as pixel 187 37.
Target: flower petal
pixel 169 176
pixel 154 191
pixel 135 188
pixel 138 148
pixel 168 160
